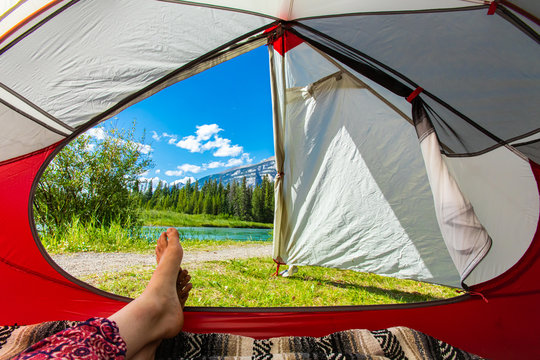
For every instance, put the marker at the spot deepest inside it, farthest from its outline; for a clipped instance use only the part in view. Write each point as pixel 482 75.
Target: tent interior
pixel 406 137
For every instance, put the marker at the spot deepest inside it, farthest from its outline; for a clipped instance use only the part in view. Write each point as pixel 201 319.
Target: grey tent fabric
pixel 97 53
pixel 485 83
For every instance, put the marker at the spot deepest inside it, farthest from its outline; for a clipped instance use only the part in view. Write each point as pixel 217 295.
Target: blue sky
pixel 218 119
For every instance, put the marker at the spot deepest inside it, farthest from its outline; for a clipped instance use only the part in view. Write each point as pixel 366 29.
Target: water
pixel 211 233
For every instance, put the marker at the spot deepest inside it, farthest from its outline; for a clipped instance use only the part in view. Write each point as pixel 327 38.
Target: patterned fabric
pixel 94 339
pixel 392 343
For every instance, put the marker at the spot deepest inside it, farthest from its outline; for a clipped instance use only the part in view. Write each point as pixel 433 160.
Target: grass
pixel 210 245
pixel 171 218
pixel 248 283
pixel 78 237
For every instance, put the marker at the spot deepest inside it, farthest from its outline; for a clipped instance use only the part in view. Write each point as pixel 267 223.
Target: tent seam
pixel 31 118
pixel 224 8
pixel 37 108
pixel 35 27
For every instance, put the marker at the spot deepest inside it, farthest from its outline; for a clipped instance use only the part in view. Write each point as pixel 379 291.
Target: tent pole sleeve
pixel 278 114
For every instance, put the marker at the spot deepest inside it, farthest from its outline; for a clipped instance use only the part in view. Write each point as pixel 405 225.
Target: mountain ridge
pixel 254 173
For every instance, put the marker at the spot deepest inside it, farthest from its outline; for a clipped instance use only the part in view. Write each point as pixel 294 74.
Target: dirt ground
pixel 82 264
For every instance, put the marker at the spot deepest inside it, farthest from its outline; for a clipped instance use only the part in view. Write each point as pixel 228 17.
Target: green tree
pixel 257 204
pixel 92 180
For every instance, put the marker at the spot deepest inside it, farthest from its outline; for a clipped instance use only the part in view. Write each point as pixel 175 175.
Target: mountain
pixel 253 173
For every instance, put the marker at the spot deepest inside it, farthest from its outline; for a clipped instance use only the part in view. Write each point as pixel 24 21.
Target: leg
pixel 157 313
pixel 183 287
pixel 142 324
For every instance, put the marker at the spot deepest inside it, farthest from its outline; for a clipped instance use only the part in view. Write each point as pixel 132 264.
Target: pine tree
pixel 257 204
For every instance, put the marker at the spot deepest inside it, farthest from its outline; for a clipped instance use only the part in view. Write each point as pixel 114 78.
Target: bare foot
pixel 161 245
pixel 164 281
pixel 183 286
pixel 157 313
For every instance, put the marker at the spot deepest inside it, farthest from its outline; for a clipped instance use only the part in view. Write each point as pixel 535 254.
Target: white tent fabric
pixel 354 185
pixel 466 239
pixel 82 71
pixel 504 194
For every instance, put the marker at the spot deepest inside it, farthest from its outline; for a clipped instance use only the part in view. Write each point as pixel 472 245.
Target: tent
pixel 406 134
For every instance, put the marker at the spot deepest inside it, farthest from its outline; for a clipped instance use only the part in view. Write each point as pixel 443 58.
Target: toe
pixel 172 233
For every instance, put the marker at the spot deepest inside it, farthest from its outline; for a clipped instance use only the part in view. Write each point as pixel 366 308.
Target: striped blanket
pixel 392 343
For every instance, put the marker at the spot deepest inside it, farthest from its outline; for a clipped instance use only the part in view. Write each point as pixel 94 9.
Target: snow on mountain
pixel 253 173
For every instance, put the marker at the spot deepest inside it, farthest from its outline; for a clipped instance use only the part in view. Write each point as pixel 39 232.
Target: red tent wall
pixel 500 327
pixel 33 291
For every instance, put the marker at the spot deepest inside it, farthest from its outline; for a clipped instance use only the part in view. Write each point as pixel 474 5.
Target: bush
pixel 91 182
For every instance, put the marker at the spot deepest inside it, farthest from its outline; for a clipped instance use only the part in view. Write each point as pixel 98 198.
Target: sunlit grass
pixel 249 283
pixel 79 237
pixel 171 218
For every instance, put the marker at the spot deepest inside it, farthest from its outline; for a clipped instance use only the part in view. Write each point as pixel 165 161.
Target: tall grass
pixel 90 236
pixel 79 237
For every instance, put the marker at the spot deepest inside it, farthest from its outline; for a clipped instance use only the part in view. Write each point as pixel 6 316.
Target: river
pixel 212 233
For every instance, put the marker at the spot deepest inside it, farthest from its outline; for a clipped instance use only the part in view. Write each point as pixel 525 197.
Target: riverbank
pixel 171 218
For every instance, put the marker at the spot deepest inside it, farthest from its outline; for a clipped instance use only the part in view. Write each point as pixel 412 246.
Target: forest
pixel 235 199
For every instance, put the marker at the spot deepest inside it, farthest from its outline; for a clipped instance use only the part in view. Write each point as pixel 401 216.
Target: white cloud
pixel 246 158
pixel 224 148
pixel 216 143
pixel 183 181
pixel 174 172
pixel 215 164
pixel 98 132
pixel 185 168
pixel 227 150
pixel 155 136
pixel 144 148
pixel 234 162
pixel 158 171
pixel 144 174
pixel 201 142
pixel 190 143
pixel 240 161
pixel 190 168
pixel 205 132
pixel 230 163
pixel 172 138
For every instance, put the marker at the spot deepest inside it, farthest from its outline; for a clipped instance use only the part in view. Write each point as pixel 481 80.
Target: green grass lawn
pixel 171 218
pixel 249 283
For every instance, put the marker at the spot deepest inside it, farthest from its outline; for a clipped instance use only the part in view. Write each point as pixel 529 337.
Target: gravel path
pixel 86 263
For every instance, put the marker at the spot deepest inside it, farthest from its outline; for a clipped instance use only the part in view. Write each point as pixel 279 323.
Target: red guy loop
pixel 473 293
pixel 492 8
pixel 414 94
pixel 277 270
pixel 479 294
